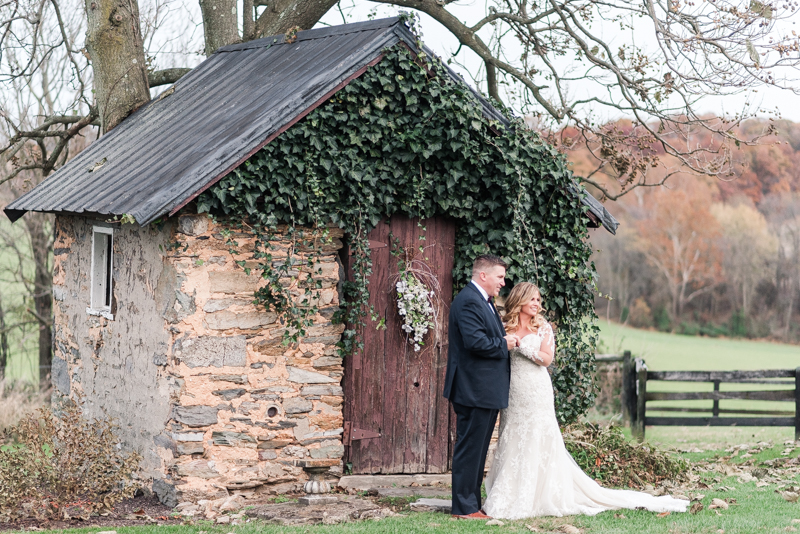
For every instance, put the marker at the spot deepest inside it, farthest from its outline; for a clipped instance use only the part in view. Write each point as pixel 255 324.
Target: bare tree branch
pixel 166 76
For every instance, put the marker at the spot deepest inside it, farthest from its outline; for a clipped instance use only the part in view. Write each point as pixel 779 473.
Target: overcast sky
pixel 170 42
pixel 444 43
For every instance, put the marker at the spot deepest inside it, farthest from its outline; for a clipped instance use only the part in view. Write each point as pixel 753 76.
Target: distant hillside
pixel 704 255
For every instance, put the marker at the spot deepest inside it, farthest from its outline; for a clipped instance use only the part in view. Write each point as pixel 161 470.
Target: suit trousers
pixel 474 427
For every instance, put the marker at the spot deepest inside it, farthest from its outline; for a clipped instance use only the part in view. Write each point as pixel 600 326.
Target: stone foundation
pixel 201 383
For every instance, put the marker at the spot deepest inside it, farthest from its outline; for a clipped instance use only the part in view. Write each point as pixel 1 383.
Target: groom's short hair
pixel 486 262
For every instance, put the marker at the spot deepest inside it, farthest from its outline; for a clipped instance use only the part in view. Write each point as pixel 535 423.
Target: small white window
pixel 102 267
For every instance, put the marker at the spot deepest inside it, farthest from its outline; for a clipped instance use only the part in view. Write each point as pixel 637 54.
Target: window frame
pixel 103 310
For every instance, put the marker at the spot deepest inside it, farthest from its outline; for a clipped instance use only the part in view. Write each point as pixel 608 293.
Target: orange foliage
pixel 773 166
pixel 677 234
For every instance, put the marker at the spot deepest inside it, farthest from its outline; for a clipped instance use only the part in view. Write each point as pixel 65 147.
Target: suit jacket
pixel 478 367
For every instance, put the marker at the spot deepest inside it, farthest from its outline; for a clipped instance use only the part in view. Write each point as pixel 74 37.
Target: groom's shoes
pixel 474 515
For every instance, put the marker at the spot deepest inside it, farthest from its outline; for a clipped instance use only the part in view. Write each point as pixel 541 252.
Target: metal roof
pixel 177 145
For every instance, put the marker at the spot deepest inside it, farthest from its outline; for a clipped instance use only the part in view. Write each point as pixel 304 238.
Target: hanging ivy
pixel 405 138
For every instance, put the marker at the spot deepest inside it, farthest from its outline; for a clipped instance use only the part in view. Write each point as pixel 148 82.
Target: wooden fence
pixel 636 376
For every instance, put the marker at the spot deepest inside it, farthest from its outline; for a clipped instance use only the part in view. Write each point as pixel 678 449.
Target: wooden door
pixel 396 420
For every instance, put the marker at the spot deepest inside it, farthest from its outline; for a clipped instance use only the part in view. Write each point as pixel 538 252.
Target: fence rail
pixel 635 377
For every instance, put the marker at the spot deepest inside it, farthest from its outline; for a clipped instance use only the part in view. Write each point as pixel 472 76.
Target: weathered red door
pixel 396 420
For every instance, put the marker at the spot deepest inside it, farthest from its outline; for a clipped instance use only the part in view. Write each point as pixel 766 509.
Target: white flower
pixel 415 306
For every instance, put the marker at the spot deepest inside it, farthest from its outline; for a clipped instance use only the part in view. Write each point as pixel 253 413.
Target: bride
pixel 532 473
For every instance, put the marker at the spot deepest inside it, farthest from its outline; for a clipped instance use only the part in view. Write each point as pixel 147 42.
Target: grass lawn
pixel 673 352
pixel 756 510
pixel 752 510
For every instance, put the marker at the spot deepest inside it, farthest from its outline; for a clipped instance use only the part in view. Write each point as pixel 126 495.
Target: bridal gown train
pixel 533 474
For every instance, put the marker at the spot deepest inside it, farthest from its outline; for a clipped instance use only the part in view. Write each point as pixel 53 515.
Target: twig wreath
pixel 418 294
pixel 406 138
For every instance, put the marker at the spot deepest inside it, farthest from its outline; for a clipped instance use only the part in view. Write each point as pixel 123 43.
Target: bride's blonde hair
pixel 519 296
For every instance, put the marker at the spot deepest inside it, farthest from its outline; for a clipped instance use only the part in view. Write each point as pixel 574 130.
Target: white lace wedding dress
pixel 533 474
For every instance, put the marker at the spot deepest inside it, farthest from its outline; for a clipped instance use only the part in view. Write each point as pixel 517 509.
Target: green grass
pixel 752 510
pixel 703 437
pixel 756 510
pixel 673 352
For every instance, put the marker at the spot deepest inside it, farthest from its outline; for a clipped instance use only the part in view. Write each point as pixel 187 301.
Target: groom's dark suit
pixel 478 374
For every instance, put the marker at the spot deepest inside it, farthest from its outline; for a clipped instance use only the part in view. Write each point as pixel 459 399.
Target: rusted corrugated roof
pixel 214 118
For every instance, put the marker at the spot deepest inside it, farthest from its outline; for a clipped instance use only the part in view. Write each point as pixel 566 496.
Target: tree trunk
pixel 789 311
pixel 220 21
pixel 37 225
pixel 114 43
pixel 248 20
pixel 283 15
pixel 3 343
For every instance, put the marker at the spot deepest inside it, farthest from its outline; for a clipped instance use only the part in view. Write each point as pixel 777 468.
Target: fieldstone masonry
pixel 195 373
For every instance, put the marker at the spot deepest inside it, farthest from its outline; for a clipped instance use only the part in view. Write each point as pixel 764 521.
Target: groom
pixel 478 374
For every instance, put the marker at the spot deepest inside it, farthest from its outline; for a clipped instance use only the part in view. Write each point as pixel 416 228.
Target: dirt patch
pixel 147 510
pixel 137 511
pixel 347 508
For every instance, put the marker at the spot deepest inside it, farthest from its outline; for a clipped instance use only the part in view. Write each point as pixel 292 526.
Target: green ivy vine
pixel 405 138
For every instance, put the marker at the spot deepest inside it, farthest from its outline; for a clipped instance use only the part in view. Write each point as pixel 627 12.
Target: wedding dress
pixel 533 474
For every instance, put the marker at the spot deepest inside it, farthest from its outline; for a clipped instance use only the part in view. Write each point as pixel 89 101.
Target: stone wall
pixel 112 367
pixel 202 384
pixel 608 377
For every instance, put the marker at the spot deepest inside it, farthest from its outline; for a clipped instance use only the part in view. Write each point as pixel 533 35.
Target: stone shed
pixel 194 372
pixel 155 319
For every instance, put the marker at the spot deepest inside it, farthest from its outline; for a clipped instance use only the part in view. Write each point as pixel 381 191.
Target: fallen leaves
pixel 663 514
pixel 696 507
pixel 565 529
pixel 759 472
pixel 139 515
pixel 747 477
pixel 718 503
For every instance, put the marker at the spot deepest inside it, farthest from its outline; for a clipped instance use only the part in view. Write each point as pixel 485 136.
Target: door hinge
pixel 352 434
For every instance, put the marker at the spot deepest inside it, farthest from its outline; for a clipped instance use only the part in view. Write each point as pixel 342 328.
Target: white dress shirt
pixel 485 295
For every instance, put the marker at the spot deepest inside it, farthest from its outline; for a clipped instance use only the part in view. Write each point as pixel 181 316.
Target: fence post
pixel 715 409
pixel 628 390
pixel 641 393
pixel 797 404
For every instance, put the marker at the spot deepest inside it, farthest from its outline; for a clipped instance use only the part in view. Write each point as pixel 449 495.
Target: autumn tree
pixel 678 236
pixel 748 247
pixel 784 218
